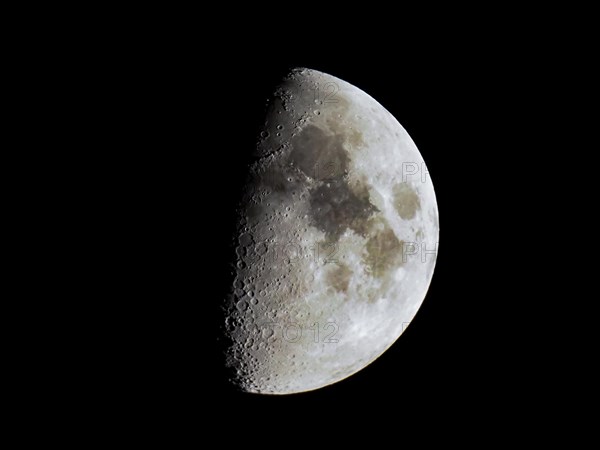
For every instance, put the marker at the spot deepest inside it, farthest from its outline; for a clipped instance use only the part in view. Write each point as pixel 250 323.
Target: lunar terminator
pixel 336 240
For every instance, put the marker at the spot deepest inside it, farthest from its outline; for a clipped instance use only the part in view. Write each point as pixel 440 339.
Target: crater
pixel 406 201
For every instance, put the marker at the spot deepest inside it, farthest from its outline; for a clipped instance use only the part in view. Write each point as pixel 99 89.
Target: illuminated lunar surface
pixel 336 241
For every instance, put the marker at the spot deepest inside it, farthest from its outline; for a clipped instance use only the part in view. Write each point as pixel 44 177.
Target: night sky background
pixel 200 109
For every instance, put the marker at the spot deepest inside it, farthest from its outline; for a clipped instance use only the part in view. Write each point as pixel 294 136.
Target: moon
pixel 336 240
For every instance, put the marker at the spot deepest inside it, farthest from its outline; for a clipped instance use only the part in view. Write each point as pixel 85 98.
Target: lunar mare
pixel 336 240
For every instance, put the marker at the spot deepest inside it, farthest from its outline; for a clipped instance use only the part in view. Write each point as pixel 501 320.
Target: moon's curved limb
pixel 337 239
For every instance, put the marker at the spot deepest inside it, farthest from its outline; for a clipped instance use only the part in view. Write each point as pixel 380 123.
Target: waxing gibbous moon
pixel 336 240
